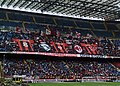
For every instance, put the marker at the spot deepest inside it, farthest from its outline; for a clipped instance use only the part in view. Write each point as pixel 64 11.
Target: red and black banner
pixel 56 47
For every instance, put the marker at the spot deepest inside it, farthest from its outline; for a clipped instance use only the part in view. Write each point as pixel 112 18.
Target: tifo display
pixel 70 44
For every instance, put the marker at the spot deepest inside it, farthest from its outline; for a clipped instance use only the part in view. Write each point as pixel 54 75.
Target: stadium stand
pixel 83 24
pixel 59 41
pixel 20 17
pixel 103 45
pixel 44 20
pixel 83 32
pixel 2 15
pixel 8 24
pixel 60 68
pixel 40 29
pixel 100 24
pixel 117 34
pixel 30 33
pixel 65 22
pixel 111 26
pixel 103 34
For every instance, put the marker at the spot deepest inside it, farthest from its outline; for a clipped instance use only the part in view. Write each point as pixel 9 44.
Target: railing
pixel 83 79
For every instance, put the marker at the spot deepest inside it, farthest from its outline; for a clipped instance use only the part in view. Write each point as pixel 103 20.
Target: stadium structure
pixel 60 40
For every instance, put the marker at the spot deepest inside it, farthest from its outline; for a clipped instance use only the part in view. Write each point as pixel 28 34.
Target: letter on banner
pixel 91 49
pixel 59 47
pixel 24 45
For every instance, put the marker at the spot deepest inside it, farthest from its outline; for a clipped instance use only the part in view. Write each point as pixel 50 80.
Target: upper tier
pixel 34 21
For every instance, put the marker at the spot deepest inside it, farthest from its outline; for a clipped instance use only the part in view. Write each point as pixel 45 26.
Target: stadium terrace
pixel 45 48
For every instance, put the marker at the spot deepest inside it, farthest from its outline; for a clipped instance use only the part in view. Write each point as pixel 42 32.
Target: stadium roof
pixel 92 9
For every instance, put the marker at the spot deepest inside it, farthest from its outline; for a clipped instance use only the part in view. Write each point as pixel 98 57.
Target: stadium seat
pixel 44 20
pixel 61 68
pixel 3 15
pixel 83 24
pixel 103 34
pixel 65 22
pixel 98 25
pixel 20 17
pixel 111 26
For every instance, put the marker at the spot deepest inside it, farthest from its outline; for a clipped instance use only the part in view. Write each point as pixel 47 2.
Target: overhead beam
pixel 3 2
pixel 39 8
pixel 51 4
pixel 18 2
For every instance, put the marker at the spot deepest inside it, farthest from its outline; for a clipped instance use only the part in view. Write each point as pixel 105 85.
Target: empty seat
pixel 103 34
pixel 2 15
pixel 9 23
pixel 65 22
pixel 44 20
pixel 20 17
pixel 98 25
pixel 33 27
pixel 111 26
pixel 83 24
pixel 117 34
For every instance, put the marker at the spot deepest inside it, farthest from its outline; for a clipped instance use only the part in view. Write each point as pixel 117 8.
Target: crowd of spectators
pixel 102 45
pixel 63 69
pixel 58 68
pixel 45 39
